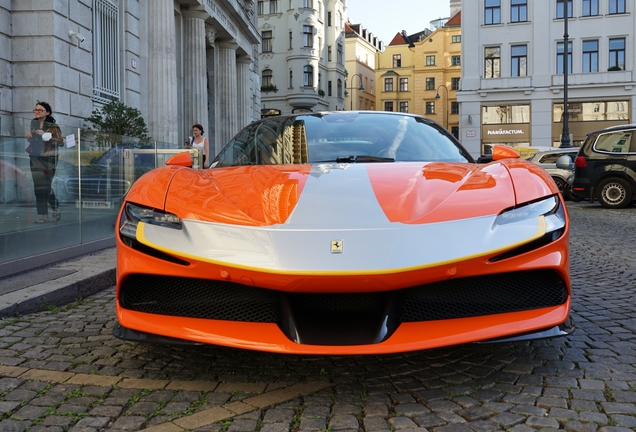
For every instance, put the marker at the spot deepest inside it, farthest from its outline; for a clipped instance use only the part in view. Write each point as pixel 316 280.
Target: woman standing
pixel 200 142
pixel 44 139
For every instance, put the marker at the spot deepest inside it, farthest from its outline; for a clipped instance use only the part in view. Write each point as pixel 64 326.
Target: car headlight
pixel 544 207
pixel 133 214
pixel 553 214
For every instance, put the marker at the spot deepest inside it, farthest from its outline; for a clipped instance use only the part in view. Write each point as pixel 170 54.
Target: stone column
pixel 213 104
pixel 244 90
pixel 194 70
pixel 163 114
pixel 227 92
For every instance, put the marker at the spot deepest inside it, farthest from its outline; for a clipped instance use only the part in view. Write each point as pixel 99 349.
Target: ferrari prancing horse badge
pixel 336 246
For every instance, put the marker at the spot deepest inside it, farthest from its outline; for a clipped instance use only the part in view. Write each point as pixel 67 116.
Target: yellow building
pixel 437 72
pixel 395 74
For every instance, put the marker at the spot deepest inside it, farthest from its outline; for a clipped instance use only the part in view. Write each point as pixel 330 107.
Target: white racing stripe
pixel 332 209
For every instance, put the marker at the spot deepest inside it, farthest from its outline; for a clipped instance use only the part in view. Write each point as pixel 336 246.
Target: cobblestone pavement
pixel 61 370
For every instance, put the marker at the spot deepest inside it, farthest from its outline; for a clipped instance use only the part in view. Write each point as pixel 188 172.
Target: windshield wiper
pixel 359 159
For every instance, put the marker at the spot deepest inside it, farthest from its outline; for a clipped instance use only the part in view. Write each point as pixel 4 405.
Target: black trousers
pixel 43 171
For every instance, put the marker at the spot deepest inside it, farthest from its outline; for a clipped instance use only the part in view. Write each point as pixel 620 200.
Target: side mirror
pixel 500 152
pixel 564 162
pixel 181 159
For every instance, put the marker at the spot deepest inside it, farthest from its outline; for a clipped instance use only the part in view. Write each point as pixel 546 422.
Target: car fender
pixel 530 180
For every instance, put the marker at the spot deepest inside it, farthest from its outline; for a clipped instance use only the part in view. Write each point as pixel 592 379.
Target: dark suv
pixel 605 167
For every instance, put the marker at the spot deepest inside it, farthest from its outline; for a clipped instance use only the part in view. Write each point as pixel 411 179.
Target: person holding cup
pixel 44 139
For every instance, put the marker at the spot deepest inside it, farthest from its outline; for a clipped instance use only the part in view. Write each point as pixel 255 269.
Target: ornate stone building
pixel 302 61
pixel 179 62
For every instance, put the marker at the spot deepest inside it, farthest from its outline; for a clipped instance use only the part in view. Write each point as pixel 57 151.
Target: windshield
pixel 354 137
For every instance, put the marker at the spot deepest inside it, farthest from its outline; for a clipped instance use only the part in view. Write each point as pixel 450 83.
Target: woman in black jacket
pixel 44 139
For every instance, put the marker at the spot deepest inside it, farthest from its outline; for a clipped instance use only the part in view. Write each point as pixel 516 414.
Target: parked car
pixel 343 233
pixel 547 160
pixel 605 167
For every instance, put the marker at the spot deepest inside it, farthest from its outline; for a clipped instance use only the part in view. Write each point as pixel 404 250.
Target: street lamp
pixel 437 96
pixel 565 133
pixel 361 88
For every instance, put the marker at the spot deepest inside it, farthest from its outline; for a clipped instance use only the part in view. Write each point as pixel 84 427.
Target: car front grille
pixel 458 298
pixel 97 188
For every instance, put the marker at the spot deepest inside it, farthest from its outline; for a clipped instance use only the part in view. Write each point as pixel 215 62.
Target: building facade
pixel 361 50
pixel 437 74
pixel 512 84
pixel 395 74
pixel 179 62
pixel 302 58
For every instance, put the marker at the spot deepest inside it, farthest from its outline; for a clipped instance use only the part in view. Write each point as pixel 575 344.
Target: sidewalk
pixel 57 284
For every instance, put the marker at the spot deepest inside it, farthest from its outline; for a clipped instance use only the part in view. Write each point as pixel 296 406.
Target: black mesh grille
pixel 467 297
pixel 483 295
pixel 197 298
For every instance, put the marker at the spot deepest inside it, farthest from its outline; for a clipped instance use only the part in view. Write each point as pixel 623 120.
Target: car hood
pixel 341 194
pixel 299 219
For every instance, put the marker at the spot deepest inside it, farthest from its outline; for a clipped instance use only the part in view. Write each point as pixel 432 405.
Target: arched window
pixel 329 19
pixel 267 78
pixel 308 76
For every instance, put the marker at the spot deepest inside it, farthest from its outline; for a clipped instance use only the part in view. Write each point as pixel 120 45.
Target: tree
pixel 117 118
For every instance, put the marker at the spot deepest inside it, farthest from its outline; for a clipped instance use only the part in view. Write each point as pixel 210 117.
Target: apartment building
pixel 437 74
pixel 514 56
pixel 302 56
pixel 361 50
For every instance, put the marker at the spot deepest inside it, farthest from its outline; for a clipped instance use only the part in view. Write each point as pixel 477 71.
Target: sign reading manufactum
pixel 518 132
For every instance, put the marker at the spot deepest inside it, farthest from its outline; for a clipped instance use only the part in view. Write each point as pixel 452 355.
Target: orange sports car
pixel 343 233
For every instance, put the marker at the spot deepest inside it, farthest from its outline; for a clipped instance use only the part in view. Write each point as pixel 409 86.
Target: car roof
pixel 558 150
pixel 614 128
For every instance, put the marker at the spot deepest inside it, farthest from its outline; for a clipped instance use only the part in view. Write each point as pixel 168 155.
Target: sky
pixel 384 22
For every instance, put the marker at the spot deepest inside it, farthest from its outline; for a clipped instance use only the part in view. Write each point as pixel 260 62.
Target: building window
pixel 329 53
pixel 590 56
pixel 455 131
pixel 329 92
pixel 561 5
pixel 106 85
pixel 266 44
pixel 518 10
pixel 308 4
pixel 492 12
pixel 291 79
pixel 340 56
pixel 404 84
pixel 388 106
pixel 492 62
pixel 397 60
pixel 456 60
pixel 267 79
pixel 273 6
pixel 308 36
pixel 616 6
pixel 340 93
pixel 291 39
pixel 329 18
pixel 454 107
pixel 430 107
pixel 456 39
pixel 388 84
pixel 404 106
pixel 454 83
pixel 519 57
pixel 308 76
pixel 561 56
pixel 430 83
pixel 430 60
pixel 617 54
pixel 261 7
pixel 590 7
